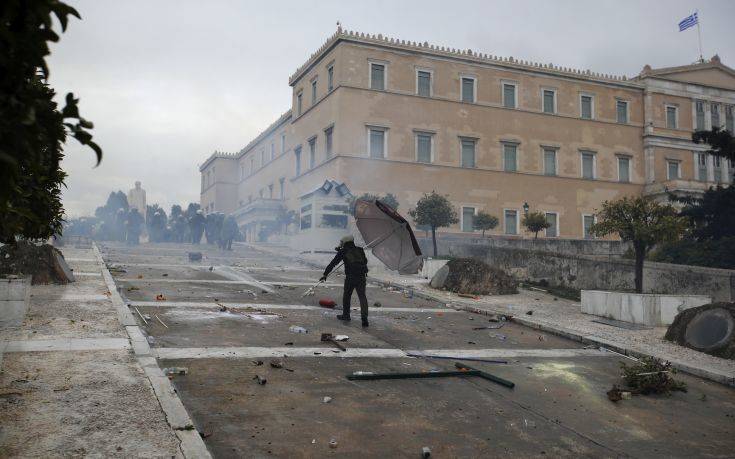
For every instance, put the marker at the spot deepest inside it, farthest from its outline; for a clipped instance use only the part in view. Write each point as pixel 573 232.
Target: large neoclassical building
pixel 380 115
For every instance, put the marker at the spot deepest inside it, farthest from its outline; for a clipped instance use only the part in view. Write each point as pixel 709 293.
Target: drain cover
pixel 710 330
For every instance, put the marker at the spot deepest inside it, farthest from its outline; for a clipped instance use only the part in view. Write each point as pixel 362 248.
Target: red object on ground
pixel 327 303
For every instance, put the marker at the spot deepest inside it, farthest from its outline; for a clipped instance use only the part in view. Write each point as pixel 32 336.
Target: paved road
pixel 234 308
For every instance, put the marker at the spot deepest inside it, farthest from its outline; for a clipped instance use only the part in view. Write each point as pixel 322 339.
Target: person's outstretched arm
pixel 337 258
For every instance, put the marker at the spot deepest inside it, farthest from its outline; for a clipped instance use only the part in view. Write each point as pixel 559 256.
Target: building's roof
pixel 464 55
pixel 713 63
pixel 215 155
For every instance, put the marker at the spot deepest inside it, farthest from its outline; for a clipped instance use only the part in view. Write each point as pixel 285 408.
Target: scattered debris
pixel 222 307
pixel 529 313
pixel 328 337
pixel 377 304
pixel 341 338
pixel 260 380
pixel 290 343
pixel 211 268
pixel 297 329
pixel 257 362
pixel 159 319
pixel 614 394
pixel 332 443
pixel 425 452
pixel 326 399
pixel 497 318
pixel 160 297
pixel 205 434
pixel 164 274
pixel 276 364
pixel 133 288
pixel 327 303
pixel 181 371
pixel 195 256
pixel 490 327
pixel 651 376
pixel 139 276
pixel 141 316
pixel 484 375
pixel 369 376
pixel 541 338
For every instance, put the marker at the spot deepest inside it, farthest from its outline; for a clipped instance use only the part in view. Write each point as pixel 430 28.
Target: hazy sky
pixel 168 82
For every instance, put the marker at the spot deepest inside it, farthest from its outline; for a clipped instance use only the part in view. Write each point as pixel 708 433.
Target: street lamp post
pixel 525 208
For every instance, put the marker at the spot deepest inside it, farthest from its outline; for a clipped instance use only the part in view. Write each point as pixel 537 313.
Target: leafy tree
pixel 435 211
pixel 721 142
pixel 642 221
pixel 484 221
pixel 389 199
pixel 32 127
pixel 535 222
pixel 284 219
pixel 711 215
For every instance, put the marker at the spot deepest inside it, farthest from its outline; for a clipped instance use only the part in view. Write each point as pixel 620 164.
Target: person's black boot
pixel 365 322
pixel 345 317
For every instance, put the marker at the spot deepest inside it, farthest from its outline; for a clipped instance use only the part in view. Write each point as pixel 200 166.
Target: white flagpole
pixel 699 34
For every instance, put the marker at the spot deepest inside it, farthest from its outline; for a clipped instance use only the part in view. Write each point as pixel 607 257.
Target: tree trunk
pixel 640 255
pixel 535 236
pixel 433 239
pixel 483 233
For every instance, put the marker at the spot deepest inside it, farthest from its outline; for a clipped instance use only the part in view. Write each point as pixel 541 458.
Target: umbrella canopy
pixel 389 236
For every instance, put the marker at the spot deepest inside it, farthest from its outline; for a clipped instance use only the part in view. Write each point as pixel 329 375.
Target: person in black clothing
pixel 355 276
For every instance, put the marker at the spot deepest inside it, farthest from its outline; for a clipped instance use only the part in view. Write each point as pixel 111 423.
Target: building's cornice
pixel 268 131
pixel 215 155
pixel 468 56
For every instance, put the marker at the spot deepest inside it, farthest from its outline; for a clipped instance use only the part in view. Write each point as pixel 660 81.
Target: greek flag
pixel 688 21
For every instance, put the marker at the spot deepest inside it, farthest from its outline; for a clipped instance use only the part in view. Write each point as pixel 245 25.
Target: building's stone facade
pixel 578 138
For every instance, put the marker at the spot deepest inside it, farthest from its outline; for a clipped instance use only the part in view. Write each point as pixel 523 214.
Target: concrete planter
pixel 431 266
pixel 656 310
pixel 14 296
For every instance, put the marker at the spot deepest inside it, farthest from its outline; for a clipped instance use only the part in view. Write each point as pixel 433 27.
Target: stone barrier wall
pixel 562 246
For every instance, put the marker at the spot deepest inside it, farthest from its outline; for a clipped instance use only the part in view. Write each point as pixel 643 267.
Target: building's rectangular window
pixel 377 76
pixel 328 142
pixel 313 92
pixel 252 165
pixel 468 153
pixel 297 159
pixel 729 119
pixel 299 103
pixel 587 222
pixel 549 161
pixel 468 218
pixel 700 115
pixel 717 166
pixel 672 170
pixel 715 115
pixel 468 89
pixel 509 95
pixel 701 167
pixel 549 101
pixel 671 117
pixel 283 143
pixel 621 107
pixel 312 153
pixel 263 158
pixel 376 140
pixel 511 222
pixel 330 78
pixel 273 151
pixel 510 157
pixel 586 106
pixel 623 169
pixel 423 148
pixel 423 83
pixel 588 165
pixel 553 229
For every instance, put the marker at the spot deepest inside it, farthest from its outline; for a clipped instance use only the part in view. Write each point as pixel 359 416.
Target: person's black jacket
pixel 354 258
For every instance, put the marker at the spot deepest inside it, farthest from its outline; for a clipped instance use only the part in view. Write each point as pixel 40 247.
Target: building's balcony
pixel 258 210
pixel 679 188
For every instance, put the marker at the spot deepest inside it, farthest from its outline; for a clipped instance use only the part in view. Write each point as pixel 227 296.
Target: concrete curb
pixel 190 442
pixel 529 321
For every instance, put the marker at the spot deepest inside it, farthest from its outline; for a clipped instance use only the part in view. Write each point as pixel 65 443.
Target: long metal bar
pixel 488 376
pixel 428 374
pixel 469 359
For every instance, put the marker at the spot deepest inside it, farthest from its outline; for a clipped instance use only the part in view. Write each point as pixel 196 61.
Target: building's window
pixel 423 83
pixel 328 142
pixel 376 143
pixel 313 91
pixel 717 165
pixel 252 165
pixel 377 76
pixel 549 100
pixel 715 109
pixel 587 222
pixel 586 106
pixel 468 219
pixel 672 170
pixel 270 191
pixel 312 153
pixel 549 161
pixel 509 95
pixel 510 157
pixel 588 165
pixel 511 222
pixel 553 220
pixel 282 183
pixel 671 117
pixel 297 159
pixel 623 169
pixel 700 115
pixel 468 89
pixel 621 108
pixel 305 221
pixel 468 152
pixel 273 151
pixel 263 158
pixel 299 101
pixel 283 143
pixel 701 167
pixel 423 148
pixel 330 78
pixel 729 120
